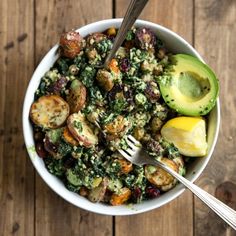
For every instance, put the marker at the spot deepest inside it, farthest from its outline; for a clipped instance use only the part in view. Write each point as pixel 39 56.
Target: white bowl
pixel 175 44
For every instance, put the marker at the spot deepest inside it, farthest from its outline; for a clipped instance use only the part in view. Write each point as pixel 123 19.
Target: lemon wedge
pixel 188 134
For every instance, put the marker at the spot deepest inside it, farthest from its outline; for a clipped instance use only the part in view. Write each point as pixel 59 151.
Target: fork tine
pixel 131 145
pixel 130 151
pixel 124 154
pixel 133 140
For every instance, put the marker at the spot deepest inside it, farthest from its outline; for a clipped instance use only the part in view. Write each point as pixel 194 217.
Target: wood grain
pixel 215 32
pixel 175 218
pixel 16 66
pixel 176 15
pixel 54 216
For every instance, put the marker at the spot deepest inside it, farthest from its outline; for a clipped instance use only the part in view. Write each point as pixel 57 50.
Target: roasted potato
pixel 105 79
pixel 126 166
pixel 91 53
pixel 77 96
pixel 160 177
pixel 118 199
pixel 71 44
pixel 49 112
pixel 97 194
pixel 116 126
pixel 81 130
pixel 69 138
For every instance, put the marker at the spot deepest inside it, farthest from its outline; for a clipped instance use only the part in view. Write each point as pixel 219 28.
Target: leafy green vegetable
pixel 87 76
pixel 54 166
pixel 78 125
pixel 104 46
pixel 62 65
pixel 130 35
pixel 64 148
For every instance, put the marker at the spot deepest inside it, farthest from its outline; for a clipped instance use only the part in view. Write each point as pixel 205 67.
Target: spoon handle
pixel 134 9
pixel 221 209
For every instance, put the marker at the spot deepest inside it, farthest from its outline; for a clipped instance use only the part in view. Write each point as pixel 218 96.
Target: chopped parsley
pixel 78 125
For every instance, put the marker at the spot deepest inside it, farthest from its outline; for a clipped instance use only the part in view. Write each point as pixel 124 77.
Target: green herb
pixel 55 166
pixel 113 168
pixel 137 56
pixel 87 76
pixel 104 46
pixel 118 105
pixel 64 149
pixel 62 65
pixel 123 144
pixel 108 118
pixel 130 35
pixel 96 96
pixel 159 44
pixel 80 61
pixel 78 125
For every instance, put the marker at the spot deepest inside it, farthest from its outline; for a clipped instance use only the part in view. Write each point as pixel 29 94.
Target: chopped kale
pixel 87 76
pixel 127 97
pixel 64 148
pixel 130 35
pixel 62 65
pixel 104 46
pixel 55 167
pixel 118 105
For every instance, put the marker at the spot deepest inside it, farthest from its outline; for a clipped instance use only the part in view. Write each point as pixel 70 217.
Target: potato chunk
pixel 69 138
pixel 71 43
pixel 49 111
pixel 77 96
pixel 105 79
pixel 81 130
pixel 126 166
pixel 160 177
pixel 97 194
pixel 116 126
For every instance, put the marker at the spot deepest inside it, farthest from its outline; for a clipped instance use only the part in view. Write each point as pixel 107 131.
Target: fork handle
pixel 221 209
pixel 134 9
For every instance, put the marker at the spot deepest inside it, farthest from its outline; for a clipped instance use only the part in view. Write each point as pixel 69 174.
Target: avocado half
pixel 190 87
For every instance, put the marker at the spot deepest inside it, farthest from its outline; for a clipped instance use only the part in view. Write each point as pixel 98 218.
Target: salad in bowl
pixel 80 114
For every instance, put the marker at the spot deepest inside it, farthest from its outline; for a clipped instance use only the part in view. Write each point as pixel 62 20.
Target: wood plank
pixel 215 32
pixel 175 218
pixel 175 15
pixel 16 171
pixel 54 216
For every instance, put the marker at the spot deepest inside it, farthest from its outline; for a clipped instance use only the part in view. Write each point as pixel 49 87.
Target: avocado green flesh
pixel 192 85
pixel 192 88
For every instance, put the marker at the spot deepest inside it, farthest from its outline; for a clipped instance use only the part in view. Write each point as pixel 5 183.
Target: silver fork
pixel 136 155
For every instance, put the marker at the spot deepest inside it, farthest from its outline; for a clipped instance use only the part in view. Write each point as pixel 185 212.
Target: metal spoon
pixel 134 9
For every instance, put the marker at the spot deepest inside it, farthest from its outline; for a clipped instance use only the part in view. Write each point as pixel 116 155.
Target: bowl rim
pixel 108 210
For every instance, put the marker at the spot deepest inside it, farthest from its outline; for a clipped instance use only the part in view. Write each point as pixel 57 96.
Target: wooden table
pixel 28 29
